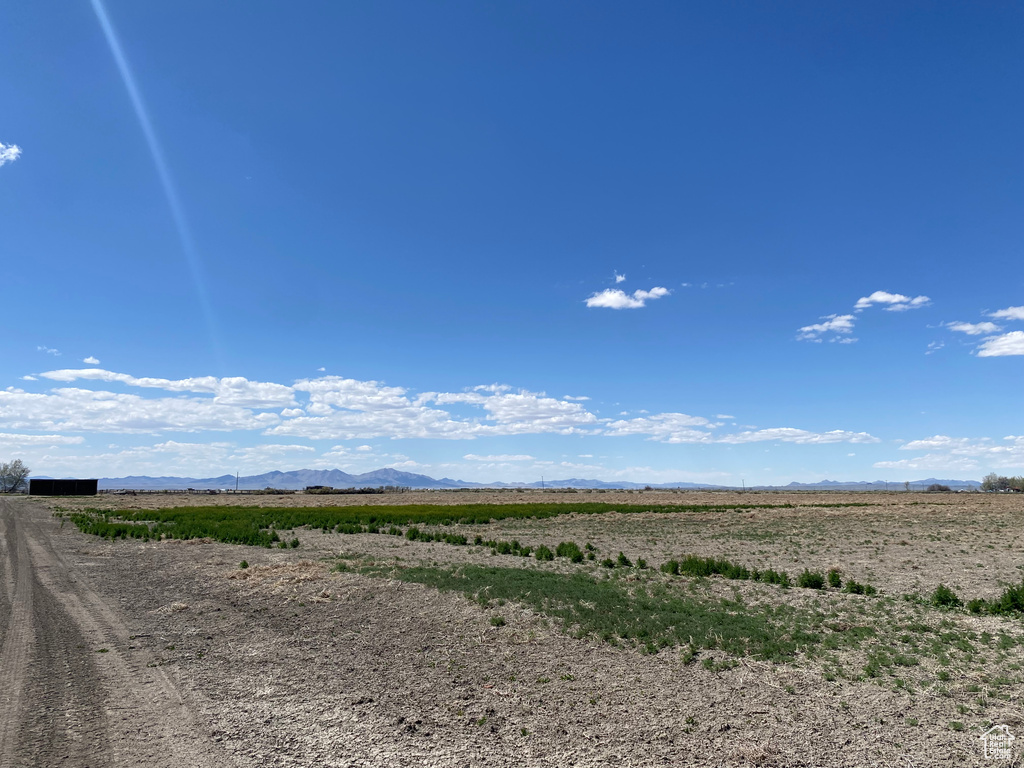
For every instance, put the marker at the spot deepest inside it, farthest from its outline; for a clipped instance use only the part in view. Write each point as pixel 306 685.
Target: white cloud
pixel 800 436
pixel 8 440
pixel 724 416
pixel 48 350
pixel 81 410
pixel 664 427
pixel 232 390
pixel 321 369
pixel 841 324
pixel 613 298
pixel 9 153
pixel 1011 343
pixel 619 278
pixel 581 398
pixel 90 360
pixel 499 457
pixel 965 454
pixel 934 346
pixel 364 448
pixel 895 302
pixel 974 329
pixel 1010 313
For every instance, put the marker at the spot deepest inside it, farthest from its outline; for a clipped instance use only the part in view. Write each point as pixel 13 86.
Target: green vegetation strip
pixel 648 614
pixel 257 526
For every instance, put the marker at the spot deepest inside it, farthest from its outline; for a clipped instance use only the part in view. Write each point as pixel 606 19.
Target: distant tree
pixel 13 475
pixel 937 488
pixel 906 486
pixel 994 482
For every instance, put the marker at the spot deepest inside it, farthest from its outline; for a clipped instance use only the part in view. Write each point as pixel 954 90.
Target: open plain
pixel 370 649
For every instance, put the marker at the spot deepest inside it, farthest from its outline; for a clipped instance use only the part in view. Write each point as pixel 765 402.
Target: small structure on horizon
pixel 68 487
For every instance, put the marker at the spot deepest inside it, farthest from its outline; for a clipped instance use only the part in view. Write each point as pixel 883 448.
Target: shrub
pixel 1011 601
pixel 543 553
pixel 570 550
pixel 244 564
pixel 641 563
pixel 809 580
pixel 294 543
pixel 834 579
pixel 944 597
pixel 623 562
pixel 769 576
pixel 978 605
pixel 497 621
pixel 413 533
pixel 856 588
pixel 608 563
pixel 671 567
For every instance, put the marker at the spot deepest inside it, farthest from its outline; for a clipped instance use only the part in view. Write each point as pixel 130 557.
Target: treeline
pixel 994 482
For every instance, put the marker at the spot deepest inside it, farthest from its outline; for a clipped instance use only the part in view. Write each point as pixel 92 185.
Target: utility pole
pixel 236 482
pixel 542 482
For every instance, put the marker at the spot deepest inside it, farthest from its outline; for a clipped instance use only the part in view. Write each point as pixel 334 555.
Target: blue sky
pixel 708 242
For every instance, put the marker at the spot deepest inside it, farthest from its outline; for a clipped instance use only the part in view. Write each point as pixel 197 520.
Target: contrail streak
pixel 195 265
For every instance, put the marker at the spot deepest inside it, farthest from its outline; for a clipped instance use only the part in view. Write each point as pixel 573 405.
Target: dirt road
pixel 74 689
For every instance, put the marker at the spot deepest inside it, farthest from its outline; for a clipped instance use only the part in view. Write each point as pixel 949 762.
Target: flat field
pixel 393 648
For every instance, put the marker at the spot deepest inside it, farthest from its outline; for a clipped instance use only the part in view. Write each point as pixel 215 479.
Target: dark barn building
pixel 48 487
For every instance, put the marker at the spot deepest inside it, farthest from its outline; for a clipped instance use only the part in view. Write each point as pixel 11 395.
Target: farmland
pixel 603 628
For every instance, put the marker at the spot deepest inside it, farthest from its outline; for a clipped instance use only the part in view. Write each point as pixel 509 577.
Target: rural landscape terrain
pixel 492 628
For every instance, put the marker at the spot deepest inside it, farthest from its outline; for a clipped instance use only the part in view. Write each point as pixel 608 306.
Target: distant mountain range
pixel 303 478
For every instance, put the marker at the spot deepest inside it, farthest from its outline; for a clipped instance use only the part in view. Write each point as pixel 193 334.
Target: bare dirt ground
pixel 134 653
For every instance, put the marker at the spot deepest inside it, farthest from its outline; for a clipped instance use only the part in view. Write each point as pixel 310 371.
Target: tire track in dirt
pixel 18 634
pixel 74 690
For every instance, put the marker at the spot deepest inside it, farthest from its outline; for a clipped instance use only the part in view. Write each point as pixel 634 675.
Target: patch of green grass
pixel 648 615
pixel 258 526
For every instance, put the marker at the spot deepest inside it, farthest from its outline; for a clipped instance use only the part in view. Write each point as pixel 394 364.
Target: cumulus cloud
pixel 9 153
pixel 619 278
pixel 90 360
pixel 974 329
pixel 614 298
pixel 1011 343
pixel 499 457
pixel 1010 313
pixel 799 436
pixel 232 390
pixel 580 398
pixel 893 302
pixel 8 440
pixel 965 454
pixel 834 324
pixel 82 410
pixel 337 408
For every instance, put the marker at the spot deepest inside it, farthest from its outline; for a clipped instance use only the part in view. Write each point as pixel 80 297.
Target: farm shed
pixel 49 487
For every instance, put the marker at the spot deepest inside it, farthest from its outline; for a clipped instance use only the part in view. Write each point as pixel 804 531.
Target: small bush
pixel 769 576
pixel 294 543
pixel 809 580
pixel 978 605
pixel 834 580
pixel 641 563
pixel 856 588
pixel 1011 601
pixel 623 562
pixel 244 564
pixel 944 597
pixel 608 563
pixel 543 553
pixel 570 550
pixel 671 567
pixel 497 621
